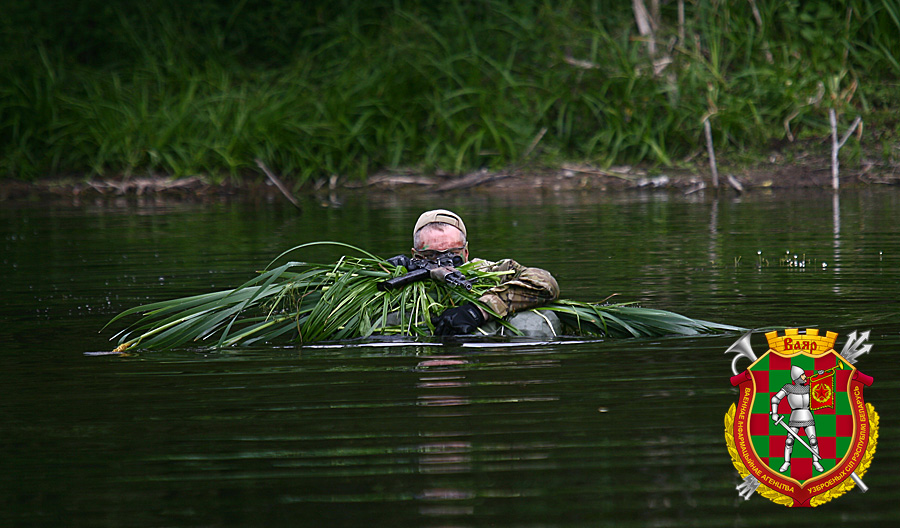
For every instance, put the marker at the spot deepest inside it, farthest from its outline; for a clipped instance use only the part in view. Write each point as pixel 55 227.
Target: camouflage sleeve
pixel 523 289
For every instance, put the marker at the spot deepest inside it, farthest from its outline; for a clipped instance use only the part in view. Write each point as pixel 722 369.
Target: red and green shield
pixel 841 422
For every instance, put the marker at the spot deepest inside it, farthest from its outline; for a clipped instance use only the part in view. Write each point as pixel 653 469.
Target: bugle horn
pixel 741 348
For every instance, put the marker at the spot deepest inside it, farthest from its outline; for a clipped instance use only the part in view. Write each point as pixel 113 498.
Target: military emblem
pixel 801 433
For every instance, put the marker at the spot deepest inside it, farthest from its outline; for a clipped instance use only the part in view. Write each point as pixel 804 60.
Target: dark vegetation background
pixel 350 87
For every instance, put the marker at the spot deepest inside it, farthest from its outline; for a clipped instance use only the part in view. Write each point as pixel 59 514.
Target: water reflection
pixel 449 405
pixel 443 452
pixel 836 228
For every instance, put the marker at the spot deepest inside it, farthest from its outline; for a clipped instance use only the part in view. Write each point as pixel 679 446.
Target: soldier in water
pixel 442 232
pixel 797 393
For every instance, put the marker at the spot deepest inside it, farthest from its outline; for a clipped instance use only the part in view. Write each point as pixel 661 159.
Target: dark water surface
pixel 603 433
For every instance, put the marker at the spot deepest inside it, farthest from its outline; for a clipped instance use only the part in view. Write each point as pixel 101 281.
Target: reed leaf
pixel 624 320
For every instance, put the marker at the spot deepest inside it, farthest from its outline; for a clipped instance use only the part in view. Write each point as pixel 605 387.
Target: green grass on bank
pixel 353 87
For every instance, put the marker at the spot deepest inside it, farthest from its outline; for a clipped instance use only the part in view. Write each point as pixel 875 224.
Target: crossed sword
pixel 862 487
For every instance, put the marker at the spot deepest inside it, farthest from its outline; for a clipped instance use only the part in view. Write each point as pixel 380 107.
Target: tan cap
pixel 443 216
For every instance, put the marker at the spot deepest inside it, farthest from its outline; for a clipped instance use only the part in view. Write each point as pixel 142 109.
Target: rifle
pixel 442 269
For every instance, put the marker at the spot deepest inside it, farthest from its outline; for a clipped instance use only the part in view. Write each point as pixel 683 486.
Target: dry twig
pixel 534 142
pixel 712 153
pixel 281 187
pixel 836 145
pixel 474 179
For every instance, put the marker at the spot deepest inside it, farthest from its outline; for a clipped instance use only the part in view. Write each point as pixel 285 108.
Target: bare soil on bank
pixel 810 172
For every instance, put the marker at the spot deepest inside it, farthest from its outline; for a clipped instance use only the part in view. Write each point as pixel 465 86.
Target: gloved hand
pixel 458 321
pixel 399 260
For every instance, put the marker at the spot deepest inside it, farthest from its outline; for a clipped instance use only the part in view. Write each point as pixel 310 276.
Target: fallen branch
pixel 696 188
pixel 599 172
pixel 392 179
pixel 281 187
pixel 734 183
pixel 472 180
pixel 141 185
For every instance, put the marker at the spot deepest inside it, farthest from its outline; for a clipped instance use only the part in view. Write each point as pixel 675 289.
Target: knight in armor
pixel 797 393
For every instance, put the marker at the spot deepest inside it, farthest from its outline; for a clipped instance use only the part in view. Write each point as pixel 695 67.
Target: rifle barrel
pixel 403 280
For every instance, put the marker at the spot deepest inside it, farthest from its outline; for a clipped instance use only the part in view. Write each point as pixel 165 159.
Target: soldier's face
pixel 803 379
pixel 451 238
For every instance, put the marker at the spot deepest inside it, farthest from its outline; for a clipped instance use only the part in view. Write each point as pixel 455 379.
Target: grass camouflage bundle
pixel 304 302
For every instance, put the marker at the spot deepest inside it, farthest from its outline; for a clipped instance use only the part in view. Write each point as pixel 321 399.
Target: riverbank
pixel 805 171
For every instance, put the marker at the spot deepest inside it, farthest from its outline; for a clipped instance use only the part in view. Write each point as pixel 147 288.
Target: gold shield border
pixel 815 500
